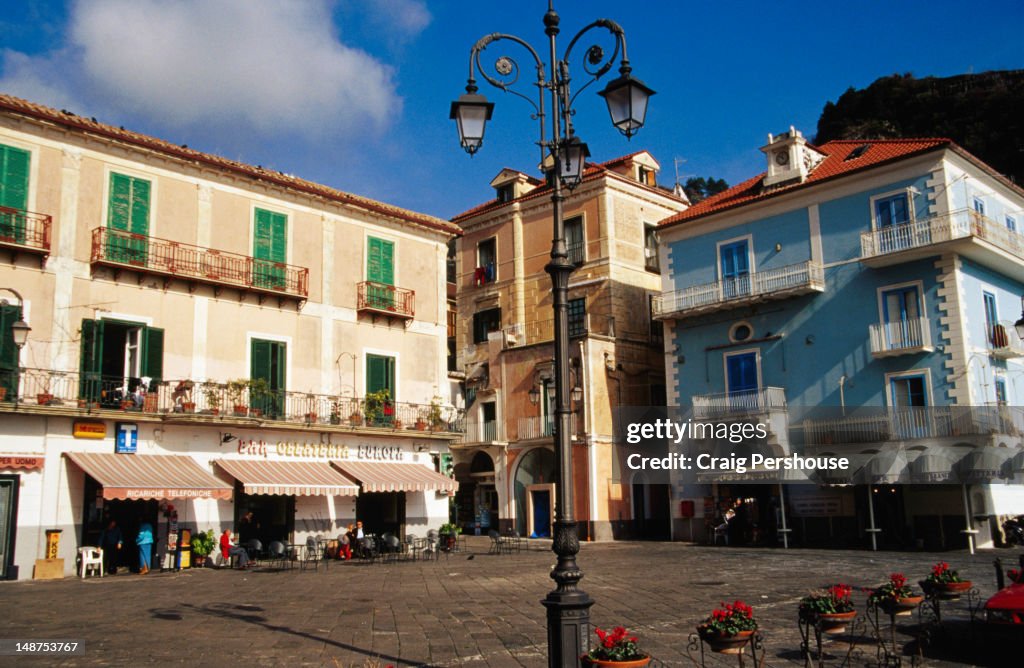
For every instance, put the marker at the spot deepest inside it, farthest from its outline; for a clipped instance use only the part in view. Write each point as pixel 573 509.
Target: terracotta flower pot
pixel 953 588
pixel 901 607
pixel 635 663
pixel 726 644
pixel 835 622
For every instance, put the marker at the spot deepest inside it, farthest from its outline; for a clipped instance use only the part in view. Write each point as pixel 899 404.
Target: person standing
pixel 248 528
pixel 145 542
pixel 111 541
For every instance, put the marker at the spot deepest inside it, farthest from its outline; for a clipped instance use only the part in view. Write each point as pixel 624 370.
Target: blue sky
pixel 355 93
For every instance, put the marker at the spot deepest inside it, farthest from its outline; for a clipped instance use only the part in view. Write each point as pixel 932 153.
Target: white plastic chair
pixel 90 557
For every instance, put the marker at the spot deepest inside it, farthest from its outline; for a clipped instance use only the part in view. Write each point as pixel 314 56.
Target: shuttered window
pixel 13 192
pixel 102 363
pixel 270 249
pixel 268 360
pixel 380 374
pixel 128 215
pixel 9 314
pixel 380 261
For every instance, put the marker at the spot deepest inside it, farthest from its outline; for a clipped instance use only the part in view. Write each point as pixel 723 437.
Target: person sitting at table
pixel 229 549
pixel 345 544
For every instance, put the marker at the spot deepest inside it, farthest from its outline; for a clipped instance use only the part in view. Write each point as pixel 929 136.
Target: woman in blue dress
pixel 145 542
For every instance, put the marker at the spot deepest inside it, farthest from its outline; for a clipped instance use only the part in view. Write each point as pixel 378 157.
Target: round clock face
pixel 782 158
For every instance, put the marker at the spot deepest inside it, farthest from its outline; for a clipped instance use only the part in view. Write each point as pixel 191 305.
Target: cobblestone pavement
pixel 471 609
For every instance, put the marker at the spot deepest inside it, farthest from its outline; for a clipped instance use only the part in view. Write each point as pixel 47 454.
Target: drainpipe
pixel 782 507
pixel 842 394
pixel 873 530
pixel 968 530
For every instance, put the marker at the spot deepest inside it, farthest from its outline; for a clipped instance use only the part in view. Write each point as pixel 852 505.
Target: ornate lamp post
pixel 568 607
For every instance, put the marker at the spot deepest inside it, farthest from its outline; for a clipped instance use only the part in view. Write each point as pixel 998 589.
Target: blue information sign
pixel 126 439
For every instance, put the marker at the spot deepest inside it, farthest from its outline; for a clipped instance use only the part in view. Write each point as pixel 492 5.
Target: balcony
pixel 387 300
pixel 25 231
pixel 782 283
pixel 873 425
pixel 901 337
pixel 194 264
pixel 725 404
pixel 481 432
pixel 963 231
pixel 68 393
pixel 1003 342
pixel 541 426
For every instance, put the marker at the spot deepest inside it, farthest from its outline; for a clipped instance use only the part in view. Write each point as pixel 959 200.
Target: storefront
pixel 77 477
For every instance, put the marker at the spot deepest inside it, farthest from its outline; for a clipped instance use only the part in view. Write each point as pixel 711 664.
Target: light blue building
pixel 860 298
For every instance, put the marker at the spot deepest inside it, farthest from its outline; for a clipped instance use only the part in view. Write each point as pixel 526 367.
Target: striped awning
pixel 150 476
pixel 395 477
pixel 288 478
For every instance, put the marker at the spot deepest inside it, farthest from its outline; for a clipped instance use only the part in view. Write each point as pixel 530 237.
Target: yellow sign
pixel 89 429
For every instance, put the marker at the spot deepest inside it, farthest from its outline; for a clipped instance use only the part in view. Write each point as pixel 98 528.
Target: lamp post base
pixel 568 607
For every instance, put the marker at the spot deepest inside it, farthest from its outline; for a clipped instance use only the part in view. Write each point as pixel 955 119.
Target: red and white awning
pixel 150 476
pixel 287 478
pixel 395 477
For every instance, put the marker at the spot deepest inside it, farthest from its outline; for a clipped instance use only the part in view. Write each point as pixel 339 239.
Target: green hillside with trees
pixel 984 113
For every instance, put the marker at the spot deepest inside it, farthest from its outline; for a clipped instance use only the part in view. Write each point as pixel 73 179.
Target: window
pixel 9 367
pixel 741 331
pixel 901 318
pixel 909 392
pixel 1011 223
pixel 651 262
pixel 577 316
pixel 267 373
pixel 115 356
pixel 380 273
pixel 14 163
pixel 489 415
pixel 485 322
pixel 128 219
pixel 978 205
pixel 269 249
pixel 645 175
pixel 486 262
pixel 380 374
pixel 506 193
pixel 891 211
pixel 657 329
pixel 450 265
pixel 574 240
pixel 735 268
pixel 1000 383
pixel 994 332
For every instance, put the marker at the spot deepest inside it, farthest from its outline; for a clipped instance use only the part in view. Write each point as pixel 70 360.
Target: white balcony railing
pixel 899 337
pixel 794 279
pixel 960 224
pixel 753 401
pixel 481 432
pixel 873 425
pixel 540 426
pixel 513 335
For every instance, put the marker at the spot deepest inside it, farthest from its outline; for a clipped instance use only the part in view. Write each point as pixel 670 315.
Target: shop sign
pixel 19 462
pixel 816 506
pixel 327 451
pixel 126 438
pixel 88 429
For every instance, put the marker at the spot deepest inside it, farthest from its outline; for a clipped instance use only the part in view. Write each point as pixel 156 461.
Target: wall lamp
pixel 1019 325
pixel 227 438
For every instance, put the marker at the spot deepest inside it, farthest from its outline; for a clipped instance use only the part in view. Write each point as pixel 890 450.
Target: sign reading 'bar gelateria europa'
pixel 387 453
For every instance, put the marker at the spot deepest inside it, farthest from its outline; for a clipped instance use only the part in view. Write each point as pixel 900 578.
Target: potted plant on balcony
pixel 375 408
pixel 830 608
pixel 261 397
pixel 212 393
pixel 311 402
pixel 434 416
pixel 236 391
pixel 335 411
pixel 203 543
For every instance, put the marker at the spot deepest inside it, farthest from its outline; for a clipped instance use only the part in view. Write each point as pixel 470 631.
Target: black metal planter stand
pixel 812 631
pixel 889 654
pixel 755 643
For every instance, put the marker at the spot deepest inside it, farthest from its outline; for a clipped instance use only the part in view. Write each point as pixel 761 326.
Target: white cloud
pixel 265 67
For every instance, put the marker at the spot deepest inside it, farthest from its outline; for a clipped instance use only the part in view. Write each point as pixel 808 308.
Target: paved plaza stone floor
pixel 469 609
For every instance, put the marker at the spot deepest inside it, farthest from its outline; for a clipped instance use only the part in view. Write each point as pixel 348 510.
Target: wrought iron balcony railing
pixel 753 401
pixel 24 230
pixel 791 280
pixel 540 426
pixel 959 224
pixel 880 424
pixel 171 259
pixel 386 299
pixel 211 400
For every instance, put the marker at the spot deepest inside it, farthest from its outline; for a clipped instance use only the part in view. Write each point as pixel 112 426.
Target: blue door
pixel 910 400
pixel 741 380
pixel 735 269
pixel 891 215
pixel 541 499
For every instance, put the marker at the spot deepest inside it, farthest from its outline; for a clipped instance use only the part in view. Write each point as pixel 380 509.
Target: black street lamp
pixel 568 607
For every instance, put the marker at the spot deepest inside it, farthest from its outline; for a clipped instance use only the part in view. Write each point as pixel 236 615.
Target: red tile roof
pixel 66 119
pixel 590 172
pixel 837 163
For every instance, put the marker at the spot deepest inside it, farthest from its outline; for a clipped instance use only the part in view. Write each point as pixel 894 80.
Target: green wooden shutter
pixel 90 365
pixel 380 269
pixel 269 360
pixel 128 211
pixel 380 374
pixel 153 355
pixel 14 164
pixel 9 314
pixel 270 247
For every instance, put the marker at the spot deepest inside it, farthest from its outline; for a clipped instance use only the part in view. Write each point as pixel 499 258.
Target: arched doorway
pixel 534 485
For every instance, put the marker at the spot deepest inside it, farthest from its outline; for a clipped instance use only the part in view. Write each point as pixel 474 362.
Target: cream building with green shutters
pixel 211 337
